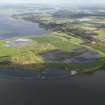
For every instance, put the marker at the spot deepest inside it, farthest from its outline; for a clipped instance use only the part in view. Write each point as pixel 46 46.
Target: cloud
pixel 56 1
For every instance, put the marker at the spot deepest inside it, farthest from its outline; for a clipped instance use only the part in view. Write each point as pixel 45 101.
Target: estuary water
pixel 11 27
pixel 79 90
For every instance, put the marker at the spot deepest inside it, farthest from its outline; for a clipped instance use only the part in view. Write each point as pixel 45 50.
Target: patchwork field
pixel 71 42
pixel 56 50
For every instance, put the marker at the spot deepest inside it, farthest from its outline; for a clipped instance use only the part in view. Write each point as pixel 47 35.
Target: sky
pixel 60 2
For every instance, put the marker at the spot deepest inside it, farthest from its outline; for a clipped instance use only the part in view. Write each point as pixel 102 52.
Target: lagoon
pixel 11 27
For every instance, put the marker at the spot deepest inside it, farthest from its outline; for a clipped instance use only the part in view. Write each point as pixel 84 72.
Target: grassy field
pixel 100 32
pixel 30 54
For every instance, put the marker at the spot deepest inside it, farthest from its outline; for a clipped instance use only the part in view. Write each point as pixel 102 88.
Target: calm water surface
pixel 10 27
pixel 79 90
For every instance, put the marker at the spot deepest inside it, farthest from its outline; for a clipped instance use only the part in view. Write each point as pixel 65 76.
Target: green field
pixel 28 56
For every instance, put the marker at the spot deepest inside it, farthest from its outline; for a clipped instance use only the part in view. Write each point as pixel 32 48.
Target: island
pixel 73 44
